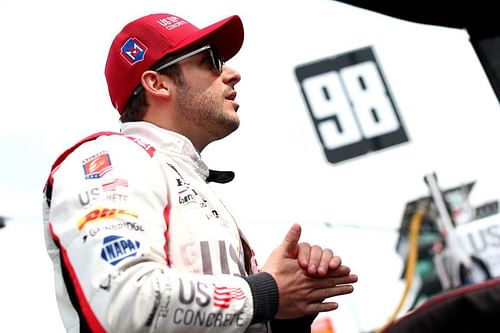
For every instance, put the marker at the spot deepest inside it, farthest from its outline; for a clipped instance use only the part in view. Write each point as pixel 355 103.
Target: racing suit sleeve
pixel 108 225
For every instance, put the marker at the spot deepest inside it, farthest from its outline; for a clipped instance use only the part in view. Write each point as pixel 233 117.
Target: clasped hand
pixel 306 277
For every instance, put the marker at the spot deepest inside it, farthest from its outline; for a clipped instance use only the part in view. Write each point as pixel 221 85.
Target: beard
pixel 205 110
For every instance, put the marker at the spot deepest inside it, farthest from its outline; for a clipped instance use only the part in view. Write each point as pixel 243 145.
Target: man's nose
pixel 230 75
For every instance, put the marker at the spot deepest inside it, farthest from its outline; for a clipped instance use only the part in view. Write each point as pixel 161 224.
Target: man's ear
pixel 156 84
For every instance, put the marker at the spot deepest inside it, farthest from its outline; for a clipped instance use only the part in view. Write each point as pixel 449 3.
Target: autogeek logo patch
pixel 350 105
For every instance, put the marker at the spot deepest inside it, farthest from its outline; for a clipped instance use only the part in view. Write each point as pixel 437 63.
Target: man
pixel 138 239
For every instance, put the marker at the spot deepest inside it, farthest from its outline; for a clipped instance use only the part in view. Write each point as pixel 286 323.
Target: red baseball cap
pixel 146 40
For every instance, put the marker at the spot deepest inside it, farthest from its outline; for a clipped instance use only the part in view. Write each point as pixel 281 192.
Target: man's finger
pixel 340 271
pixel 322 283
pixel 315 260
pixel 304 253
pixel 323 307
pixel 325 262
pixel 335 263
pixel 348 279
pixel 290 243
pixel 324 293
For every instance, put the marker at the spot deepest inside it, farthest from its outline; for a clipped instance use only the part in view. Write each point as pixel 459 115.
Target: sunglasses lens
pixel 217 61
pixel 218 65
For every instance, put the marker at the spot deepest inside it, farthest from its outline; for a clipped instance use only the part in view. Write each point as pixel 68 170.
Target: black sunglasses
pixel 217 61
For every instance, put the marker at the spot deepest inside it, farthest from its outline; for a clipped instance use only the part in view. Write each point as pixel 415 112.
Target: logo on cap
pixel 133 50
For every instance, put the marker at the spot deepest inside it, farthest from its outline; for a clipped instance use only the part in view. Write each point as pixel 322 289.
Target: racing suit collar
pixel 177 144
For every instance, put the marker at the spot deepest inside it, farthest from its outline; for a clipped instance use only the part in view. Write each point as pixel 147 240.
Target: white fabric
pixel 147 242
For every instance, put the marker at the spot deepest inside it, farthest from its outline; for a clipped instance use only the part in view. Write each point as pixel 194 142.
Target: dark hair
pixel 136 106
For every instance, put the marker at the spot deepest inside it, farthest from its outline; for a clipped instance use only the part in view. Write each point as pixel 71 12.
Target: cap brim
pixel 227 36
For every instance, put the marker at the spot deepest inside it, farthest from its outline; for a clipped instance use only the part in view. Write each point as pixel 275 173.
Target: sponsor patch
pixel 97 166
pixel 104 213
pixel 117 248
pixel 113 185
pixel 224 295
pixel 133 50
pixel 171 22
pixel 125 225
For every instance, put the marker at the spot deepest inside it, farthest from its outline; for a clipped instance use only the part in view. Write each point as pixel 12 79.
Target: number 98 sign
pixel 350 105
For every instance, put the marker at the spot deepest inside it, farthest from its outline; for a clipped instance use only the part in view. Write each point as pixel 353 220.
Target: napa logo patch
pixel 133 50
pixel 117 248
pixel 97 165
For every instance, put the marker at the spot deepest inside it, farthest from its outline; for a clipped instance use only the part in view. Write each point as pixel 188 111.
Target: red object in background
pixel 322 325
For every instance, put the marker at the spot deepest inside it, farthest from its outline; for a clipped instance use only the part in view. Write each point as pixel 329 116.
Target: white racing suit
pixel 141 243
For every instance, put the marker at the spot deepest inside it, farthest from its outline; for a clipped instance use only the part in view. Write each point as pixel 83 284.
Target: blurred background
pixel 355 122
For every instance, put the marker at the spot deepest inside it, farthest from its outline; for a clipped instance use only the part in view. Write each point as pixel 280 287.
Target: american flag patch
pixel 224 295
pixel 112 186
pixel 97 166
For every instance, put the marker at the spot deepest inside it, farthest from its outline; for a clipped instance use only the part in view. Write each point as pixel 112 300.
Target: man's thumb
pixel 290 243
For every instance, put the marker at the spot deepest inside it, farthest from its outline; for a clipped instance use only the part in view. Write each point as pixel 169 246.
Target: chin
pixel 230 128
